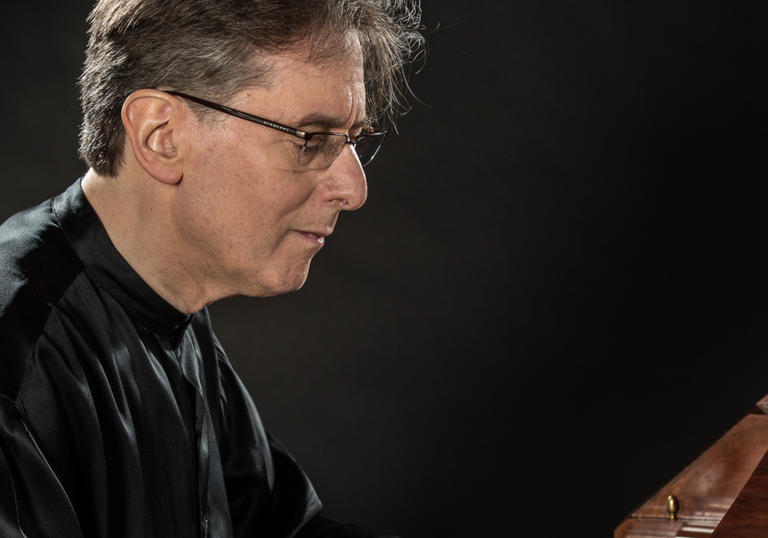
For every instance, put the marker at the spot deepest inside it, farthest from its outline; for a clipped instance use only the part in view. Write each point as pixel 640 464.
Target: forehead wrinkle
pixel 336 104
pixel 324 121
pixel 344 104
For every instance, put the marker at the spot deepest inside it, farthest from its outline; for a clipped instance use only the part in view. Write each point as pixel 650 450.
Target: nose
pixel 345 182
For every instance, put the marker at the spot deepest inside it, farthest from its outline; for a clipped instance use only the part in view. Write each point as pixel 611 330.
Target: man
pixel 224 137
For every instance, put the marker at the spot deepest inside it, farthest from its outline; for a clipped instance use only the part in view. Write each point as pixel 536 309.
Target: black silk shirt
pixel 121 417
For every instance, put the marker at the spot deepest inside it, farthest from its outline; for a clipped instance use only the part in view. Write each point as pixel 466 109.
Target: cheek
pixel 243 200
pixel 256 216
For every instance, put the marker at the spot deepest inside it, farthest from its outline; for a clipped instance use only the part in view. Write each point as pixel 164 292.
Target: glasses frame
pixel 368 131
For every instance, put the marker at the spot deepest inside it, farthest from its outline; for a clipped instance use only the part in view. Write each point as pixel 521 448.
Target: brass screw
pixel 672 507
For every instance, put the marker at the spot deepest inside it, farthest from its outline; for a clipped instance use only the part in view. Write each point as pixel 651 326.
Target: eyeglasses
pixel 319 149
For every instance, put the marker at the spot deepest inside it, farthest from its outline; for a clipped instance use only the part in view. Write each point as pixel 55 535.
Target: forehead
pixel 300 86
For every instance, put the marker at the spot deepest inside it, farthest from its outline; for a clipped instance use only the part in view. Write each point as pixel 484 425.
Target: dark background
pixel 555 297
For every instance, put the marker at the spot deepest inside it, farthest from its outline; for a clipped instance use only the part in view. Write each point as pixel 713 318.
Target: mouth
pixel 315 237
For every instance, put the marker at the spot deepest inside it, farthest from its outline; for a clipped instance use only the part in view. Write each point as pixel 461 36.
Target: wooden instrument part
pixel 705 490
pixel 747 516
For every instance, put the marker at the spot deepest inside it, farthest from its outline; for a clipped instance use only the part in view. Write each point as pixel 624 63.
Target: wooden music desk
pixel 722 494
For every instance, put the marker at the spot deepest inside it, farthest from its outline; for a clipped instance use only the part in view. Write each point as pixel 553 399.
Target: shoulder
pixel 37 265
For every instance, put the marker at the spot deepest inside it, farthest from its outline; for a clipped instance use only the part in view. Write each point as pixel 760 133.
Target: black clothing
pixel 121 417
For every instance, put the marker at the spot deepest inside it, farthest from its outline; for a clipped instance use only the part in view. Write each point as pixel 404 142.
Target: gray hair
pixel 208 47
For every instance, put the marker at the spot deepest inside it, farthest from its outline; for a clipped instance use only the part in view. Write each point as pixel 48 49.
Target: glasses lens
pixel 368 145
pixel 320 151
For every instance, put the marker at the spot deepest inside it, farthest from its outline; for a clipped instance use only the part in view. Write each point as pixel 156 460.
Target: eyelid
pixel 311 128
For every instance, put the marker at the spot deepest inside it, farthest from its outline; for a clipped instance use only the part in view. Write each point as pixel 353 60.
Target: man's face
pixel 250 221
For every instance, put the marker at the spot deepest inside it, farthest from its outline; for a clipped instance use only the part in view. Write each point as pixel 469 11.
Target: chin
pixel 279 283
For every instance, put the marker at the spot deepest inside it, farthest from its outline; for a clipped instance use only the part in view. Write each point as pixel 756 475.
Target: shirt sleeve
pixel 26 479
pixel 268 493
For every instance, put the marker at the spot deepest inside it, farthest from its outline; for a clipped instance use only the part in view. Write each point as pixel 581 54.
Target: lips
pixel 316 237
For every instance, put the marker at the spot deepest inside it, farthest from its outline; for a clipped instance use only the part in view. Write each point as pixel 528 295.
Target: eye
pixel 310 147
pixel 304 147
pixel 313 142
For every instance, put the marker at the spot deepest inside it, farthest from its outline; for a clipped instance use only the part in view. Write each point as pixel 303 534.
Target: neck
pixel 135 211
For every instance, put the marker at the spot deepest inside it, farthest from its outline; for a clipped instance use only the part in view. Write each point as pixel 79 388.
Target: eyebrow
pixel 328 122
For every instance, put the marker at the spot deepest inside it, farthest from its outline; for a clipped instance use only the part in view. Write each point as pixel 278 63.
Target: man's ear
pixel 152 119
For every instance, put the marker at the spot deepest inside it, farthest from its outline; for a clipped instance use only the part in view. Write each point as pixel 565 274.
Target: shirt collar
pixel 107 267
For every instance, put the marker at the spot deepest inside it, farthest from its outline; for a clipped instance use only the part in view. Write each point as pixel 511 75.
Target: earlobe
pixel 151 121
